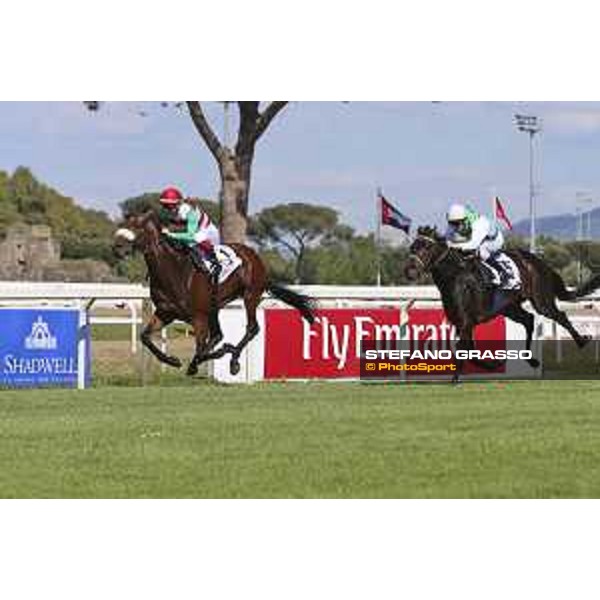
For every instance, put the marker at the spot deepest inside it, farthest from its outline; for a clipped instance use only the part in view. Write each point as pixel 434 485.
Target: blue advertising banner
pixel 39 347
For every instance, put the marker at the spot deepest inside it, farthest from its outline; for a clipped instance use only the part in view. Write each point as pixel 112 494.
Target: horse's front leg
pixel 461 344
pixel 154 325
pixel 201 330
pixel 215 334
pixel 467 342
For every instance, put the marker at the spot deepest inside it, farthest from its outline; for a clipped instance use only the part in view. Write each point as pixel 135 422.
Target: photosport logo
pixel 40 347
pixel 406 360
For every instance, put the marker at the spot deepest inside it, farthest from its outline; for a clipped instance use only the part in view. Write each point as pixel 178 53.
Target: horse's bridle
pixel 427 266
pixel 143 236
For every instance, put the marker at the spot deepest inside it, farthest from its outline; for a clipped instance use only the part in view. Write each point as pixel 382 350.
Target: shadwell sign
pixel 39 347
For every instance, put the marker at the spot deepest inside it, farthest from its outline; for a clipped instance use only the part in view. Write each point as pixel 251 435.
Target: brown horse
pixel 469 300
pixel 180 292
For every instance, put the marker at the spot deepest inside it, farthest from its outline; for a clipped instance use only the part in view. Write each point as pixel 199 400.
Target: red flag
pixel 501 214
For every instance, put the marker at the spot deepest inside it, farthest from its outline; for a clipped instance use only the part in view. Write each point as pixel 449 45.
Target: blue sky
pixel 423 155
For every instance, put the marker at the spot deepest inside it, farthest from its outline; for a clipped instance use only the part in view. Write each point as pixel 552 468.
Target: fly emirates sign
pixel 330 348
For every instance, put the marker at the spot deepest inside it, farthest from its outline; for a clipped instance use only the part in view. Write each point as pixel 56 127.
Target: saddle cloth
pixel 228 259
pixel 504 272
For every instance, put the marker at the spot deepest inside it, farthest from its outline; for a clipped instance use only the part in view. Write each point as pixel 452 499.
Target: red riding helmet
pixel 171 197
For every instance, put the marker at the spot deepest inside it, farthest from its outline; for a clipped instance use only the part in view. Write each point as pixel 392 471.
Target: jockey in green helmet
pixel 471 232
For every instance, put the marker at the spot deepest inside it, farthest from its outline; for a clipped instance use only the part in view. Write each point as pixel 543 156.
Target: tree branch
pixel 249 115
pixel 204 129
pixel 265 118
pixel 299 236
pixel 280 239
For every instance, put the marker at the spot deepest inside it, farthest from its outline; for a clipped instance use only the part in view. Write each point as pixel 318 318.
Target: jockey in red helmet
pixel 198 232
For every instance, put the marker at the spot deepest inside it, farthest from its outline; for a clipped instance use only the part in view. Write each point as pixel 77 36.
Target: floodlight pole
pixel 530 125
pixel 532 215
pixel 379 212
pixel 584 229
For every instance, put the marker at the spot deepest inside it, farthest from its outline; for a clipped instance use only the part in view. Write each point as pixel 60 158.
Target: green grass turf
pixel 515 440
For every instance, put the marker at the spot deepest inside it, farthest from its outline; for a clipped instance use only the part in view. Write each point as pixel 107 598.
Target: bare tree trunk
pixel 235 177
pixel 236 166
pixel 299 271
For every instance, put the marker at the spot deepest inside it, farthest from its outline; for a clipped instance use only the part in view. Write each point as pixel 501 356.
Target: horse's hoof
pixel 192 370
pixel 216 341
pixel 584 340
pixel 220 352
pixel 173 361
pixel 534 363
pixel 213 343
pixel 234 367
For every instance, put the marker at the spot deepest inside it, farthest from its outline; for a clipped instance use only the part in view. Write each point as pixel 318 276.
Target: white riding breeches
pixel 210 234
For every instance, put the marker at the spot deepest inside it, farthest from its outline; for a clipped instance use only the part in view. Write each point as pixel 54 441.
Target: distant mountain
pixel 561 227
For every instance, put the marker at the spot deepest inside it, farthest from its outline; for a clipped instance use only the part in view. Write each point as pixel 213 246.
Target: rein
pixel 427 266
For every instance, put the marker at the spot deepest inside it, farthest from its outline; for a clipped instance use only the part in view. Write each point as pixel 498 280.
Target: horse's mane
pixel 430 232
pixel 140 219
pixel 150 216
pixel 151 219
pixel 452 255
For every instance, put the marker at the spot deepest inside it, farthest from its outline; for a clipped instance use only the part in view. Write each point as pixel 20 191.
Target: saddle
pixel 228 259
pixel 489 278
pixel 510 276
pixel 500 273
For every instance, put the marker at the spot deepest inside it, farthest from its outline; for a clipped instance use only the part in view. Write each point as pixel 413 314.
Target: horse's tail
pixel 304 304
pixel 560 289
pixel 547 273
pixel 591 285
pixel 562 293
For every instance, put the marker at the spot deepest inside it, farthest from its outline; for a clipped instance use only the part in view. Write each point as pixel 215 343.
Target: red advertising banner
pixel 330 348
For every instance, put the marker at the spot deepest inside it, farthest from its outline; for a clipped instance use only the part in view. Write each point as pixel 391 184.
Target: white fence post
pixel 82 349
pixel 134 326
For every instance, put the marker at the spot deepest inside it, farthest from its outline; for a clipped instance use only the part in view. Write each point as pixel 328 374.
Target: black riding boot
pixel 215 267
pixel 197 256
pixel 500 269
pixel 197 261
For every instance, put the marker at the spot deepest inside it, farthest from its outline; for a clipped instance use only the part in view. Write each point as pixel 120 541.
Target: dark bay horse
pixel 468 300
pixel 180 292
